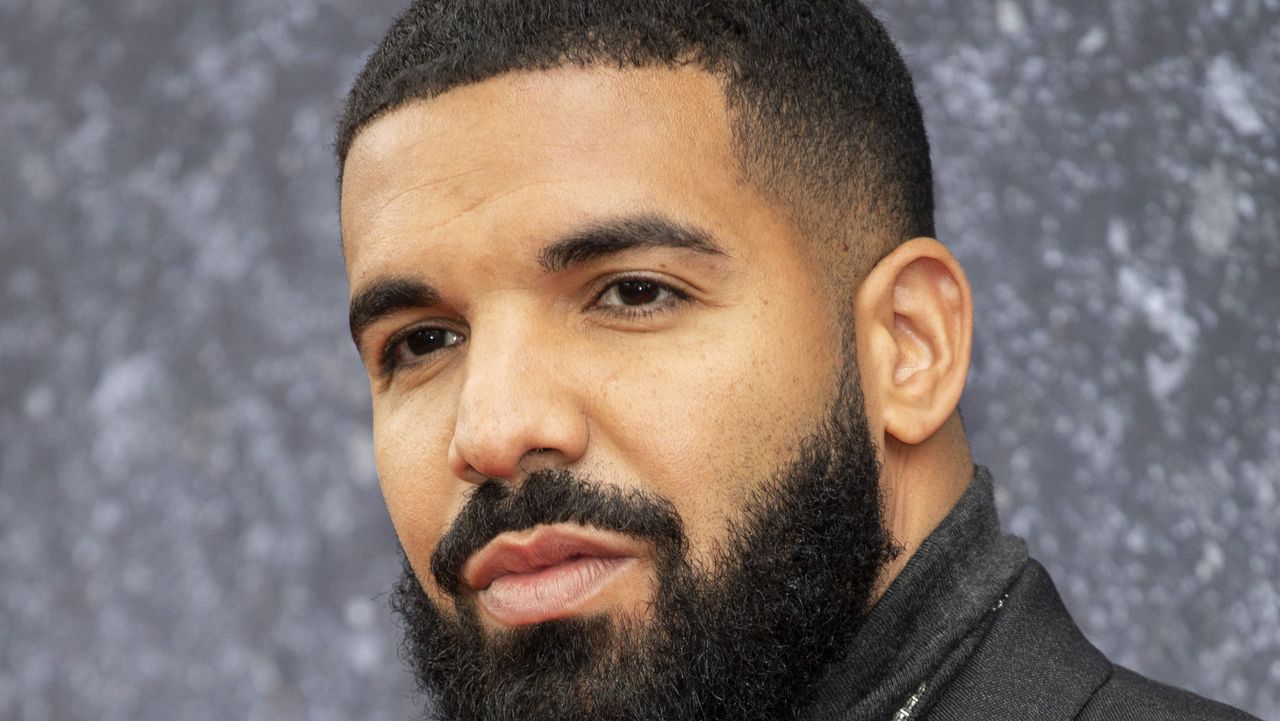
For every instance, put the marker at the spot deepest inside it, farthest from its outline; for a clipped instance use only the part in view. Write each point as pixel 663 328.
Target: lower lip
pixel 554 592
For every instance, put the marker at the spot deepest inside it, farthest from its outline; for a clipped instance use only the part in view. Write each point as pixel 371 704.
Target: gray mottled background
pixel 190 526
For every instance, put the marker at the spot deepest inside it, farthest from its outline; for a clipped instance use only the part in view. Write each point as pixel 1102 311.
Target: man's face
pixel 564 270
pixel 677 371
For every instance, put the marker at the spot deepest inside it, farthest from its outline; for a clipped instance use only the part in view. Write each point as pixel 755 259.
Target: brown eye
pixel 424 342
pixel 636 292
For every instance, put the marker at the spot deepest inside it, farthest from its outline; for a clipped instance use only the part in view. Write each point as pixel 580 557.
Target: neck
pixel 920 484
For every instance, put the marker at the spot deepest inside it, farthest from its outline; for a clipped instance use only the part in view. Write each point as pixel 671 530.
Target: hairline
pixel 779 187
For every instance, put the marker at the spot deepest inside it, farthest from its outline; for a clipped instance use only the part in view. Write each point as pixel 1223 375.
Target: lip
pixel 547 572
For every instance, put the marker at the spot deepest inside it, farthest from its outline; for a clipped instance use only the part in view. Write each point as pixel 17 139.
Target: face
pixel 688 372
pixel 563 273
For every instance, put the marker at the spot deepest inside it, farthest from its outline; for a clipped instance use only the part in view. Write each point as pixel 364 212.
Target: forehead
pixel 525 156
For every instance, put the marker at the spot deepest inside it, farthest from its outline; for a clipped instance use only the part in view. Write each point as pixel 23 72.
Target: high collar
pixel 930 618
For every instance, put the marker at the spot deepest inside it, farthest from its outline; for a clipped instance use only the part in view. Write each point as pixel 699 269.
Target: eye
pixel 638 294
pixel 415 344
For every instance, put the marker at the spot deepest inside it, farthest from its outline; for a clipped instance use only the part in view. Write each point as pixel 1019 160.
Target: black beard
pixel 746 640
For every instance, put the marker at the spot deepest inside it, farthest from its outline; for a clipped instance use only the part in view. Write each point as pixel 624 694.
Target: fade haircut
pixel 825 118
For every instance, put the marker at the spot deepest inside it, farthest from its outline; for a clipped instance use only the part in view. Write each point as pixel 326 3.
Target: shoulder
pixel 1127 695
pixel 1035 663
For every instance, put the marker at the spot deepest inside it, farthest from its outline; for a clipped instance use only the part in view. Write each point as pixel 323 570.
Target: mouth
pixel 547 572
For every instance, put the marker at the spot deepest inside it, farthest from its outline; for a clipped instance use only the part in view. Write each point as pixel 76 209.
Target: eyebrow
pixel 620 235
pixel 386 296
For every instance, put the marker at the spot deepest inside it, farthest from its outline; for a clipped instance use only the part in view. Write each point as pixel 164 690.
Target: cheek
pixel 704 419
pixel 422 495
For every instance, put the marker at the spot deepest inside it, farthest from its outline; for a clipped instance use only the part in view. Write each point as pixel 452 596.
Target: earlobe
pixel 917 309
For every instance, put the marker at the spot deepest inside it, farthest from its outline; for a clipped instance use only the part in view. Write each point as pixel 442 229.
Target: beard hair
pixel 747 640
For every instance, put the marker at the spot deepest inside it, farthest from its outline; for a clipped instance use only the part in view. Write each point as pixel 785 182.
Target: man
pixel 665 367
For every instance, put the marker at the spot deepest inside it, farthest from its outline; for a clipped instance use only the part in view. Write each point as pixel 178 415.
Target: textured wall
pixel 190 527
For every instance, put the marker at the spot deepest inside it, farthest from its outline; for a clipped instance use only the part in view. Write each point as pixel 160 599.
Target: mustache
pixel 545 497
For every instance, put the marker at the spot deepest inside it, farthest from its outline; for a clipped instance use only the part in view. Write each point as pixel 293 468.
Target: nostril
pixel 536 459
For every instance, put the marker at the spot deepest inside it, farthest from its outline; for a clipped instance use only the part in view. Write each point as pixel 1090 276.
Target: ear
pixel 914 320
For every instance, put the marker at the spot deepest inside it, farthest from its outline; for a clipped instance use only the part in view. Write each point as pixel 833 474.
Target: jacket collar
pixel 931 618
pixel 1034 663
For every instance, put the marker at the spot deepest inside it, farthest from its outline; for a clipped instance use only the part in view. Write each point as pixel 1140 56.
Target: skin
pixel 696 400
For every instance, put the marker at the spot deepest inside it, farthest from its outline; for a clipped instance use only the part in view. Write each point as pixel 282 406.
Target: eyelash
pixel 388 360
pixel 675 297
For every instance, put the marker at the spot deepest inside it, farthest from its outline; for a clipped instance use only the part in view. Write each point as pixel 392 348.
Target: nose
pixel 516 413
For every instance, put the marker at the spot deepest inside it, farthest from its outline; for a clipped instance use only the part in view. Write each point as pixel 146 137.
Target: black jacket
pixel 973 629
pixel 1034 663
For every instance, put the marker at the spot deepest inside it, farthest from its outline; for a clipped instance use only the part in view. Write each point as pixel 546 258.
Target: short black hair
pixel 825 115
